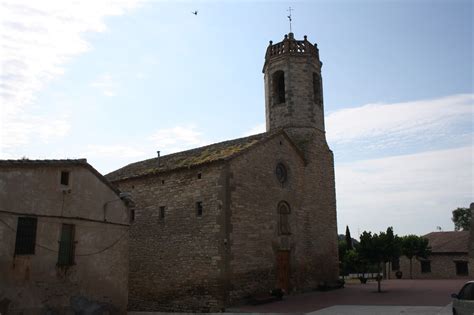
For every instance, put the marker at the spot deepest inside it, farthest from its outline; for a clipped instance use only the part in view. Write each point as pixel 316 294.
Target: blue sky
pixel 115 81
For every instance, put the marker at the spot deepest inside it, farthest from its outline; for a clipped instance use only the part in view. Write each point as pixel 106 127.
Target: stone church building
pixel 216 224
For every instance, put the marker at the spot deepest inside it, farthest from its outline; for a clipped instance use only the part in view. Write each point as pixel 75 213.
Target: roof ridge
pixel 188 158
pixel 191 150
pixel 40 161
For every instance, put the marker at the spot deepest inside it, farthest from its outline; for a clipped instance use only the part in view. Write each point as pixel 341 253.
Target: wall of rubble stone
pixel 443 266
pixel 177 257
pixel 255 238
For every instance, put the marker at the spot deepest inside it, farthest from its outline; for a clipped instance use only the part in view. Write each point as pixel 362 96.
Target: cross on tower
pixel 289 16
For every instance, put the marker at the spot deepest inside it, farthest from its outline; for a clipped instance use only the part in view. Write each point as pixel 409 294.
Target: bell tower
pixel 294 101
pixel 293 85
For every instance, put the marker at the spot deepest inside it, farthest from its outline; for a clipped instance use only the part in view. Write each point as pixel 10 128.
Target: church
pixel 217 224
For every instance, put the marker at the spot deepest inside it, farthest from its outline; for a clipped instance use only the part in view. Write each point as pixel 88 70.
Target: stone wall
pixel 319 202
pixel 442 267
pixel 177 261
pixel 255 194
pixel 301 107
pixel 471 234
pixel 34 283
pixel 254 234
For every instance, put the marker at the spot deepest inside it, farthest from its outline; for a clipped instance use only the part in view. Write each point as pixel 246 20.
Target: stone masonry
pixel 447 250
pixel 217 224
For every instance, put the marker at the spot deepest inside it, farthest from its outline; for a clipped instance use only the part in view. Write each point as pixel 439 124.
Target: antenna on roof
pixel 289 17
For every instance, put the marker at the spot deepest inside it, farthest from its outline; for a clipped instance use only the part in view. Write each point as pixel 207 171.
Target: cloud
pixel 105 84
pixel 255 130
pixel 424 120
pixel 413 192
pixel 22 129
pixel 112 151
pixel 177 139
pixel 38 38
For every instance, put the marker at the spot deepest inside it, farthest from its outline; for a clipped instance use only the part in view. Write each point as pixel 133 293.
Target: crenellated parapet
pixel 291 47
pixel 293 85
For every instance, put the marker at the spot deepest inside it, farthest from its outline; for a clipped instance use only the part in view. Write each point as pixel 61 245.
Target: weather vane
pixel 289 16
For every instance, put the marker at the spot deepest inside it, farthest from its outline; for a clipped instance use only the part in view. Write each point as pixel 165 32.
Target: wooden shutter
pixel 66 246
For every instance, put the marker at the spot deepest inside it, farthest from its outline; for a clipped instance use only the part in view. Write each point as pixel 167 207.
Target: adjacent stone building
pixel 471 237
pixel 449 258
pixel 219 223
pixel 64 232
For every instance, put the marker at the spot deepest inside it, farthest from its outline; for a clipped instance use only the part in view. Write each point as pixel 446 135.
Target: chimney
pixel 158 152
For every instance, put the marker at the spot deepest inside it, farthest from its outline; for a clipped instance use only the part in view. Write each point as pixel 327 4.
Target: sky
pixel 115 81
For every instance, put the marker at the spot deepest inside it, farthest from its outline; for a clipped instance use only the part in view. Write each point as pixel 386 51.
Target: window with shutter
pixel 66 246
pixel 25 236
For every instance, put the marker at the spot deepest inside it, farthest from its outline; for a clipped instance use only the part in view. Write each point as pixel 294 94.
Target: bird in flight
pixel 195 12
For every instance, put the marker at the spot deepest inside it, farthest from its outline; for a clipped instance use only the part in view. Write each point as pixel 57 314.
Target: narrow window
pixel 199 175
pixel 317 88
pixel 66 246
pixel 132 215
pixel 461 268
pixel 25 236
pixel 281 173
pixel 65 178
pixel 425 266
pixel 199 208
pixel 284 218
pixel 278 87
pixel 162 212
pixel 162 182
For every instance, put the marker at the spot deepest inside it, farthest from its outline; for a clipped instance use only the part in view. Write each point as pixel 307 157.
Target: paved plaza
pixel 407 297
pixel 403 297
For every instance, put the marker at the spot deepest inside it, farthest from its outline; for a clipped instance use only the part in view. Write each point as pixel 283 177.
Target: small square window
pixel 461 268
pixel 425 266
pixel 199 208
pixel 26 236
pixel 65 178
pixel 162 212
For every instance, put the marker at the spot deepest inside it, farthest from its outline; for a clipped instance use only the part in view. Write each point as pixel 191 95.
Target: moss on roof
pixel 187 159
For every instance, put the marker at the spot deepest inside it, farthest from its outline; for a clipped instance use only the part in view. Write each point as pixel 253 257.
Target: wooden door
pixel 283 270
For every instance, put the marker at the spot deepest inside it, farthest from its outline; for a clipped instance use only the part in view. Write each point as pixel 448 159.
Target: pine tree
pixel 349 239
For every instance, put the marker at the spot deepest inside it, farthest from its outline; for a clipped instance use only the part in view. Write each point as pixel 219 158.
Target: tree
pixel 393 247
pixel 351 262
pixel 379 248
pixel 462 219
pixel 349 239
pixel 342 249
pixel 372 248
pixel 414 246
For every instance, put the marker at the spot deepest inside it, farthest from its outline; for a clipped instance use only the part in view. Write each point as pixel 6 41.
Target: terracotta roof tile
pixel 448 242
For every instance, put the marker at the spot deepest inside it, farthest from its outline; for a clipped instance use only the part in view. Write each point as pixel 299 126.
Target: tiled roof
pixel 448 242
pixel 190 158
pixel 58 163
